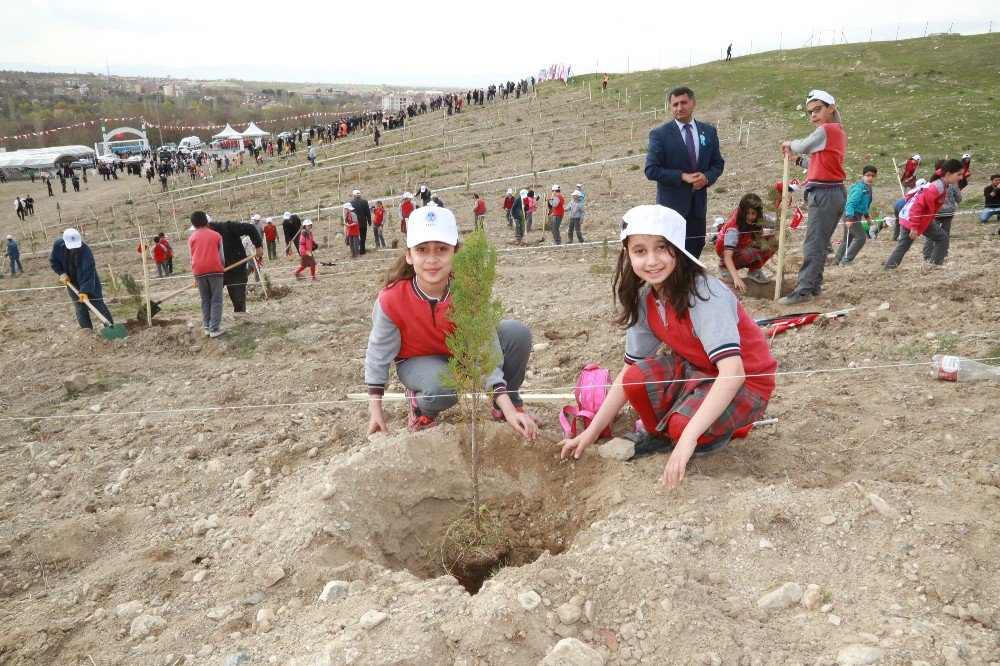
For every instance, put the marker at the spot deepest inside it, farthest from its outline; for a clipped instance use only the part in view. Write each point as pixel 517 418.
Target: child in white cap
pixel 410 324
pixel 73 261
pixel 557 208
pixel 352 230
pixel 719 374
pixel 576 215
pixel 307 245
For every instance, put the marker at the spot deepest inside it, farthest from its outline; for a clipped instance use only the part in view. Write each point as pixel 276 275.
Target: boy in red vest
pixel 405 209
pixel 378 219
pixel 825 191
pixel 479 211
pixel 508 207
pixel 271 238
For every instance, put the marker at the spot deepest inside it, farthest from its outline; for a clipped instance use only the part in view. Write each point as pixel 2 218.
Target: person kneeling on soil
pixel 409 325
pixel 73 261
pixel 742 243
pixel 719 375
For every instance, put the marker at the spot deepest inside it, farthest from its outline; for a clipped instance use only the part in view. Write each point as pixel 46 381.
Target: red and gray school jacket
pixel 407 323
pixel 825 167
pixel 711 330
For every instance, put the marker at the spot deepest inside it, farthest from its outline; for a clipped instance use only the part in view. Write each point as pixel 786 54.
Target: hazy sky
pixel 436 43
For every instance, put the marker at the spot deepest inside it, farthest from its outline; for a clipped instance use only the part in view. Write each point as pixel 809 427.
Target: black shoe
pixel 718 445
pixel 647 444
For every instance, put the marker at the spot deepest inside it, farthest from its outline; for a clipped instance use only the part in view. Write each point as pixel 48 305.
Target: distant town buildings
pixel 396 102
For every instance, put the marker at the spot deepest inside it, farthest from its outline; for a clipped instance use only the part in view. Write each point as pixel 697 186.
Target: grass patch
pixel 568 164
pixel 633 167
pixel 244 340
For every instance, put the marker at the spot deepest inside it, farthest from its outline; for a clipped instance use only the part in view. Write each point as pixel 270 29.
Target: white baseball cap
pixel 921 182
pixel 307 223
pixel 523 193
pixel 407 195
pixel 657 220
pixel 576 193
pixel 916 157
pixel 826 98
pixel 348 206
pixel 9 237
pixel 286 215
pixel 431 223
pixel 71 237
pixel 510 190
pixel 579 186
pixel 356 193
pixel 555 188
pixel 255 216
pixel 269 219
pixel 966 156
pixel 423 188
pixel 719 221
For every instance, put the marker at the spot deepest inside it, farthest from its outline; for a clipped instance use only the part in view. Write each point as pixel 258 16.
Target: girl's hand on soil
pixel 573 447
pixel 524 425
pixel 740 285
pixel 673 473
pixel 376 424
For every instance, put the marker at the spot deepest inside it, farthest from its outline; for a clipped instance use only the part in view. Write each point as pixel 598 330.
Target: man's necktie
pixel 689 142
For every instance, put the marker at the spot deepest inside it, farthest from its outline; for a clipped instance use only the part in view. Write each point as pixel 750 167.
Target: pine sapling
pixel 476 315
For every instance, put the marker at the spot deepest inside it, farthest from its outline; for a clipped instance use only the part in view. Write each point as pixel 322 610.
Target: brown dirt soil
pixel 192 502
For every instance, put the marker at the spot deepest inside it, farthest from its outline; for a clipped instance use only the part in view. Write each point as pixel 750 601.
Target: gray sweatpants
pixel 826 206
pixel 210 290
pixel 943 221
pixel 854 239
pixel 933 233
pixel 556 221
pixel 420 373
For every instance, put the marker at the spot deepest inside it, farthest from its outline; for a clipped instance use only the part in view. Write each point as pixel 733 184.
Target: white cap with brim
pixel 348 206
pixel 555 188
pixel 966 156
pixel 71 237
pixel 826 98
pixel 510 190
pixel 523 193
pixel 255 216
pixel 656 220
pixel 356 193
pixel 431 223
pixel 719 221
pixel 286 215
pixel 407 195
pixel 576 193
pixel 307 223
pixel 9 237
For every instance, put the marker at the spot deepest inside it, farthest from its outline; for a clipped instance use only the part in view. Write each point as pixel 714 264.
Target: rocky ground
pixel 217 502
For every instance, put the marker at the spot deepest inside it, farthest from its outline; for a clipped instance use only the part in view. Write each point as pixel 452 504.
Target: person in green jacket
pixel 857 220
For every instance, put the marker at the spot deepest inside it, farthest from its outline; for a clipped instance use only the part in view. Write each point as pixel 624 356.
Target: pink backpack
pixel 592 387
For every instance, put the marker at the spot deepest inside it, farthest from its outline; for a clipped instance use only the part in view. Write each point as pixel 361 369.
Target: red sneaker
pixel 416 420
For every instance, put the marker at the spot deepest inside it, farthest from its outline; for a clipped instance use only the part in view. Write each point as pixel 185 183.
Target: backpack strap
pixel 569 424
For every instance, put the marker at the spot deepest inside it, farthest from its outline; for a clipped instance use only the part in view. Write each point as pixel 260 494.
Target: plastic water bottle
pixel 956 369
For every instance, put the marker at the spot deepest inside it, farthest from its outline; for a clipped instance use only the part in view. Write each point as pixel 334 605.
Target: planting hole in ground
pixel 416 495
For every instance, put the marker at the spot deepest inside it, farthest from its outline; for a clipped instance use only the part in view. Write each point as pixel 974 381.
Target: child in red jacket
pixel 378 219
pixel 917 216
pixel 352 230
pixel 742 243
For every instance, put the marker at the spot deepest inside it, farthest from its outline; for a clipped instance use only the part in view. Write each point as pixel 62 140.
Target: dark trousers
pixel 236 284
pixel 694 235
pixel 933 233
pixel 83 312
pixel 364 236
pixel 272 252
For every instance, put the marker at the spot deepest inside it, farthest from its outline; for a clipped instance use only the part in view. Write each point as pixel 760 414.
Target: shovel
pixel 110 331
pixel 154 306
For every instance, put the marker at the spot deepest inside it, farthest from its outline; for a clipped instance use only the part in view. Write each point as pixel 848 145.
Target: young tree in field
pixel 476 315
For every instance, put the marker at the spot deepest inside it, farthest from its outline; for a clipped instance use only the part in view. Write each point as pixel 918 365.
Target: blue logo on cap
pixel 431 217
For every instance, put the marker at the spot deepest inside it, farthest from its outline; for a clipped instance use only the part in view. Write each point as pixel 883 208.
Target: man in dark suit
pixel 364 213
pixel 684 160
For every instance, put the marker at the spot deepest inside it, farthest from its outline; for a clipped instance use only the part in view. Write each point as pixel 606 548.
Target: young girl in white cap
pixel 307 245
pixel 409 325
pixel 352 230
pixel 718 377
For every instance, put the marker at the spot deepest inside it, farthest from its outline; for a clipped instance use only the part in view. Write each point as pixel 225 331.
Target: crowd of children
pixel 162 253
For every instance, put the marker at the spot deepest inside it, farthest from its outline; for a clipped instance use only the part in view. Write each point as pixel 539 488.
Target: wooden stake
pixel 145 278
pixel 747 145
pixel 779 277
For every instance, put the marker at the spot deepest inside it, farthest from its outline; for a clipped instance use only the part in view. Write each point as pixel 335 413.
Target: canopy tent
pixel 254 132
pixel 228 133
pixel 43 158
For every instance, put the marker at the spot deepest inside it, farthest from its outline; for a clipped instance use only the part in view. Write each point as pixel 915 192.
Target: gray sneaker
pixel 794 299
pixel 845 263
pixel 757 276
pixel 216 332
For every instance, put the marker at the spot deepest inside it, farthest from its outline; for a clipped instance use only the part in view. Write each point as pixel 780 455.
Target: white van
pixel 190 142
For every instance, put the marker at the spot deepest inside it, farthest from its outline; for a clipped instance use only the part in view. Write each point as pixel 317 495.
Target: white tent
pixel 254 132
pixel 228 133
pixel 43 158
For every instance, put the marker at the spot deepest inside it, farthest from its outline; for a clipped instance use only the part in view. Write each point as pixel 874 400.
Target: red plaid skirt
pixel 748 256
pixel 675 386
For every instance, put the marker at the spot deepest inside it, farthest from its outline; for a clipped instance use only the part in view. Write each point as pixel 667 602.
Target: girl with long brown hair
pixel 719 374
